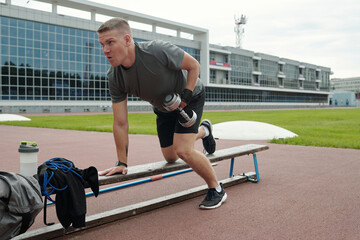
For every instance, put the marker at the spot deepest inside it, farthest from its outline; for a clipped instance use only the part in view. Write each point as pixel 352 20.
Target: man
pixel 152 70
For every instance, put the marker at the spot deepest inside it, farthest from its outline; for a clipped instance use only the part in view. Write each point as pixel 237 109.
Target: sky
pixel 322 32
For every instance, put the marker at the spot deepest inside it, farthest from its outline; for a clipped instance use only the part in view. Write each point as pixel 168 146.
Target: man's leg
pixel 177 141
pixel 170 154
pixel 201 133
pixel 184 148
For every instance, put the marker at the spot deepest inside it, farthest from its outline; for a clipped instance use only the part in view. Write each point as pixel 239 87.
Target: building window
pixel 256 80
pixel 53 62
pixel 301 84
pixel 214 94
pixel 281 82
pixel 212 76
pixel 256 65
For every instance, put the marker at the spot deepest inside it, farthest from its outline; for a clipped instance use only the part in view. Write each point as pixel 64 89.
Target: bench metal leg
pixel 231 174
pixel 231 168
pixel 256 170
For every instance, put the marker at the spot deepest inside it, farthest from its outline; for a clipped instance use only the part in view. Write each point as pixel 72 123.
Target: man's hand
pixel 185 96
pixel 183 104
pixel 114 170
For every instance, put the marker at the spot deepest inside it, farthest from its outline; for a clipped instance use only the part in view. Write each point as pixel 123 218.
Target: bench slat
pixel 56 230
pixel 150 169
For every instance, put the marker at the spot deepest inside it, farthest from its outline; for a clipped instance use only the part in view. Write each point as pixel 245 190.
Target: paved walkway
pixel 304 192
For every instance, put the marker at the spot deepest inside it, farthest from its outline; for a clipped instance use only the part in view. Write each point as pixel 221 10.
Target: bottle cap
pixel 28 147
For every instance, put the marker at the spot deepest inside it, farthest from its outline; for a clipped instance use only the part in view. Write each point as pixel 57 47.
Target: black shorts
pixel 168 124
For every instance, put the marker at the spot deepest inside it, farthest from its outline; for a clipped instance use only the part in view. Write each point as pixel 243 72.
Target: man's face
pixel 114 46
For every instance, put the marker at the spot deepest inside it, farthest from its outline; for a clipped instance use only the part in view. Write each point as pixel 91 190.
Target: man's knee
pixel 169 154
pixel 183 152
pixel 184 145
pixel 171 159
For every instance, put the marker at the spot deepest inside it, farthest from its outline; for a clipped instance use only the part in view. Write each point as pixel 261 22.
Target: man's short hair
pixel 115 23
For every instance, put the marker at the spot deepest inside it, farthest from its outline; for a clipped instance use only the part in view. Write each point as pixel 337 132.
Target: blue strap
pixel 65 166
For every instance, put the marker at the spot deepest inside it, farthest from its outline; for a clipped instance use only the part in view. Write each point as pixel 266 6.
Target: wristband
pixel 118 163
pixel 186 95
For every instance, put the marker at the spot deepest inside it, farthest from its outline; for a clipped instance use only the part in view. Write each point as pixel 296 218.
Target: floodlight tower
pixel 239 29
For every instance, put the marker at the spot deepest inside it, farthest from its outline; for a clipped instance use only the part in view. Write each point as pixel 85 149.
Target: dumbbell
pixel 172 103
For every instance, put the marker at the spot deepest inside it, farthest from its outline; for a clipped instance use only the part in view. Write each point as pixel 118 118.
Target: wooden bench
pixel 151 169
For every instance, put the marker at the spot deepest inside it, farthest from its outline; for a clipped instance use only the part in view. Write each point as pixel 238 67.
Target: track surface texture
pixel 304 192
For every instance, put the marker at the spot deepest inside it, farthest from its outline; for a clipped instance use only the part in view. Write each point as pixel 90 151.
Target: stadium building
pixel 345 92
pixel 347 84
pixel 52 62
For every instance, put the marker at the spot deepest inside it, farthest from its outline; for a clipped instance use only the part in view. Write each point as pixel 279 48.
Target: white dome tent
pixel 250 130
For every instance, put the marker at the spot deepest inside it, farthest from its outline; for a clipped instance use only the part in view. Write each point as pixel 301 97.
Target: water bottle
pixel 28 158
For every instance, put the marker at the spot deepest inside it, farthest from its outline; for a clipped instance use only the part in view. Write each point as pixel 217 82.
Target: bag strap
pixel 4 199
pixel 6 203
pixel 44 219
pixel 25 223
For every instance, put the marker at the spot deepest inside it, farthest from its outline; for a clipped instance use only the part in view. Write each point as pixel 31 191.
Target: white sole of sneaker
pixel 215 206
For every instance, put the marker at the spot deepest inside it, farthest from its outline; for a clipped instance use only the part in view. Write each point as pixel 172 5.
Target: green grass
pixel 140 123
pixel 338 128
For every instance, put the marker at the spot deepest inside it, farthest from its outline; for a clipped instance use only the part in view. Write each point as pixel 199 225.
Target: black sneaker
pixel 213 199
pixel 209 141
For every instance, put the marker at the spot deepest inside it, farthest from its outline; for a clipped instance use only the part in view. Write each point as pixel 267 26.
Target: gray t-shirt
pixel 155 74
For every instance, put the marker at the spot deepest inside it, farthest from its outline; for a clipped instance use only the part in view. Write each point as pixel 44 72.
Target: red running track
pixel 304 192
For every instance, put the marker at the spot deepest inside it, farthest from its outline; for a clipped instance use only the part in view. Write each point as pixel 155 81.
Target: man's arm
pixel 121 137
pixel 193 67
